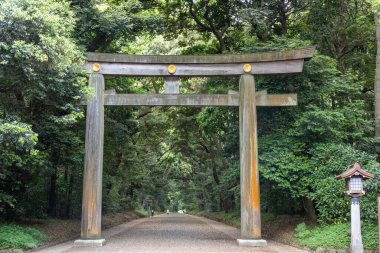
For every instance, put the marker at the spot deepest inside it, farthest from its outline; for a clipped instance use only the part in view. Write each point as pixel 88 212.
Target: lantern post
pixel 354 177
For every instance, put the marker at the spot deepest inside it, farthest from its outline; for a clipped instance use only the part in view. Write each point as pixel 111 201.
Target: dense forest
pixel 186 157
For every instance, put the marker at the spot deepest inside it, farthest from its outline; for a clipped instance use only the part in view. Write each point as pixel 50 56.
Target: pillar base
pixel 90 243
pixel 252 242
pixel 358 248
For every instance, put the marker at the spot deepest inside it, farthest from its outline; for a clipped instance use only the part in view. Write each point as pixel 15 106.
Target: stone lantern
pixel 354 177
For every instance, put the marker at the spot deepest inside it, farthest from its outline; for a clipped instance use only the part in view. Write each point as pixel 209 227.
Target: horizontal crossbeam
pixel 262 99
pixel 194 70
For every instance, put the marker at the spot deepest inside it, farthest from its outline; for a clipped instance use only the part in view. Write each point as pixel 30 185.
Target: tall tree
pixel 207 17
pixel 377 73
pixel 41 78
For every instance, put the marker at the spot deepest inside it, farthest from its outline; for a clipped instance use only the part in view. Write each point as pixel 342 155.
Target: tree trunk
pixel 377 76
pixel 69 194
pixel 205 200
pixel 213 167
pixel 309 208
pixel 52 208
pixel 52 194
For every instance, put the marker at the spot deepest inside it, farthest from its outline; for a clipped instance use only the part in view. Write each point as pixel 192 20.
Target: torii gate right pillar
pixel 249 173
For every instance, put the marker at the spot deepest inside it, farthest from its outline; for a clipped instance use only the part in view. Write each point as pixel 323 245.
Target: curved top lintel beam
pixel 300 53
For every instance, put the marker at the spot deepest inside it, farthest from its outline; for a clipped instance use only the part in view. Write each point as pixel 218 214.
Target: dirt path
pixel 172 233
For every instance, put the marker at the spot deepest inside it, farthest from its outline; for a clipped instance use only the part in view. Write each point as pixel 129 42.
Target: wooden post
pixel 378 218
pixel 356 233
pixel 171 85
pixel 249 173
pixel 93 168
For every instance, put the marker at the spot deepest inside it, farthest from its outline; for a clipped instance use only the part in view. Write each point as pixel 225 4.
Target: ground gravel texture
pixel 172 233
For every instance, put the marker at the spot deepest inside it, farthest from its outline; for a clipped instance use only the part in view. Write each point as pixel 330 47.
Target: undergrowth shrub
pixel 17 237
pixel 334 236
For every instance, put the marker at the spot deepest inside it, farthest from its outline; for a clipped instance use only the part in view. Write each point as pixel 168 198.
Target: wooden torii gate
pixel 171 68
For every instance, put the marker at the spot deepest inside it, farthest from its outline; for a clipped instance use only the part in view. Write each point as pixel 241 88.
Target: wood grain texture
pixel 276 99
pixel 378 218
pixel 233 99
pixel 171 85
pixel 194 70
pixel 249 172
pixel 301 53
pixel 93 168
pixel 172 99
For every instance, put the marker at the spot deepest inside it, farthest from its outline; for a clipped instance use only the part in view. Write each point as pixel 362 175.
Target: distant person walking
pixel 167 211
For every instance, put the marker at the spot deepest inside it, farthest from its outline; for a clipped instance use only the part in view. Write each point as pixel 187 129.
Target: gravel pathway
pixel 172 233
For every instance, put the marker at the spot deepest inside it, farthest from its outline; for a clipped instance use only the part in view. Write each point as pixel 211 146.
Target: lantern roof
pixel 355 170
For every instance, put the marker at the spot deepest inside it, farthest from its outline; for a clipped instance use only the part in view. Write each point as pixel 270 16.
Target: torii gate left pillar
pixel 93 167
pixel 249 166
pixel 245 66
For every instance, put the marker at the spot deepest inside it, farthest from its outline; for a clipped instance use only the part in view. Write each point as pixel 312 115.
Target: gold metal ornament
pixel 96 67
pixel 247 68
pixel 172 69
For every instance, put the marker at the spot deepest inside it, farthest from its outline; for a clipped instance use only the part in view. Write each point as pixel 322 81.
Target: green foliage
pixel 341 34
pixel 313 176
pixel 370 235
pixel 332 206
pixel 18 158
pixel 302 231
pixel 17 136
pixel 282 165
pixel 334 236
pixel 333 107
pixel 41 81
pixel 277 43
pixel 17 237
pixel 325 136
pixel 38 57
pixel 141 212
pixel 109 25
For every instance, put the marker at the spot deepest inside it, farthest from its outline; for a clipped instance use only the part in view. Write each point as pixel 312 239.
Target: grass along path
pixel 292 230
pixel 335 236
pixel 34 233
pixel 277 228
